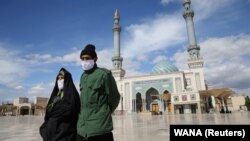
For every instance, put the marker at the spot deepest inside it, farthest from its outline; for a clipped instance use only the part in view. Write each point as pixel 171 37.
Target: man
pixel 99 99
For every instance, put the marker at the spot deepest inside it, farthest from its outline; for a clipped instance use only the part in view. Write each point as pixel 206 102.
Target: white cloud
pixel 11 72
pixel 227 48
pixel 105 58
pixel 38 59
pixel 153 35
pixel 43 59
pixel 72 57
pixel 159 58
pixel 41 89
pixel 44 89
pixel 204 9
pixel 165 2
pixel 224 60
pixel 19 87
pixel 180 58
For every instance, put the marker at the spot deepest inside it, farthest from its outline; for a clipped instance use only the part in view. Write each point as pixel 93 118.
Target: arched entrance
pixel 138 102
pixel 166 97
pixel 150 96
pixel 156 107
pixel 24 110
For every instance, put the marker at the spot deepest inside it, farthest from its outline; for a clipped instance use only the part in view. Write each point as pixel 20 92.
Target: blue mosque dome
pixel 164 67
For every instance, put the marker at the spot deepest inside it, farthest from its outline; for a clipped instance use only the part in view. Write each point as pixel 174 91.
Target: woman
pixel 62 110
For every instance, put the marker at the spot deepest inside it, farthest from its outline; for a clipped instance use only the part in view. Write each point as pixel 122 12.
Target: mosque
pixel 168 89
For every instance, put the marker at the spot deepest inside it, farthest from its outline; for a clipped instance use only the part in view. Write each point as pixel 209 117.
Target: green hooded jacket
pixel 99 99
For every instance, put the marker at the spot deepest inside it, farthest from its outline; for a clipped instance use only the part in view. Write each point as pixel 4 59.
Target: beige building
pixel 40 105
pixel 21 100
pixel 237 103
pixel 24 107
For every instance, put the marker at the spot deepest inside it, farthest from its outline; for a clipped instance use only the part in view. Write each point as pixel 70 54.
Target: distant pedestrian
pixel 99 99
pixel 62 110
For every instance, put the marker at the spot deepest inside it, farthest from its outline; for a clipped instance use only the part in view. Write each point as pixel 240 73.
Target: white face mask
pixel 88 64
pixel 60 84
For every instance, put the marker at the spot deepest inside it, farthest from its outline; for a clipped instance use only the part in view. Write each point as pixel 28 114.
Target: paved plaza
pixel 130 127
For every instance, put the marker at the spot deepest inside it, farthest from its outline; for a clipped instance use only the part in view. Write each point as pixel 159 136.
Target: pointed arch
pixel 166 97
pixel 150 97
pixel 138 102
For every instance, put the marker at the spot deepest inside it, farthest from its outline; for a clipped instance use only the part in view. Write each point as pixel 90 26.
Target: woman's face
pixel 60 81
pixel 60 77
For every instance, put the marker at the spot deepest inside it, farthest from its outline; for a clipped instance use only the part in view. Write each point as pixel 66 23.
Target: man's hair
pixel 89 50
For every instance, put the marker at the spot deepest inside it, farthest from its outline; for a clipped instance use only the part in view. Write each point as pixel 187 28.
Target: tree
pixel 247 103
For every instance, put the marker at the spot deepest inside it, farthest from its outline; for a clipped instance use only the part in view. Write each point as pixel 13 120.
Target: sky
pixel 39 37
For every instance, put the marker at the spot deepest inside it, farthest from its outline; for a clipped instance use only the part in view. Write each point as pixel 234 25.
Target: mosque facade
pixel 168 89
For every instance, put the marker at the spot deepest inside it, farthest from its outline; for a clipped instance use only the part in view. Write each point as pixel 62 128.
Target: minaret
pixel 195 61
pixel 193 48
pixel 117 59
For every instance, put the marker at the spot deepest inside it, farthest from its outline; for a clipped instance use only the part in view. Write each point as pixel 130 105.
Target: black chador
pixel 62 110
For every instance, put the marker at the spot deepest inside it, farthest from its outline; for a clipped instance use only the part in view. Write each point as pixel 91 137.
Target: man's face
pixel 86 57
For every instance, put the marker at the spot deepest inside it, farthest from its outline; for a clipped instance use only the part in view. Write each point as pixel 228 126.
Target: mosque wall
pixel 178 85
pixel 190 82
pixel 198 79
pixel 129 87
pixel 185 97
pixel 182 87
pixel 159 84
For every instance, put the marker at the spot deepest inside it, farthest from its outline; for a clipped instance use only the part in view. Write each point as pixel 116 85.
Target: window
pixel 193 97
pixel 176 98
pixel 184 98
